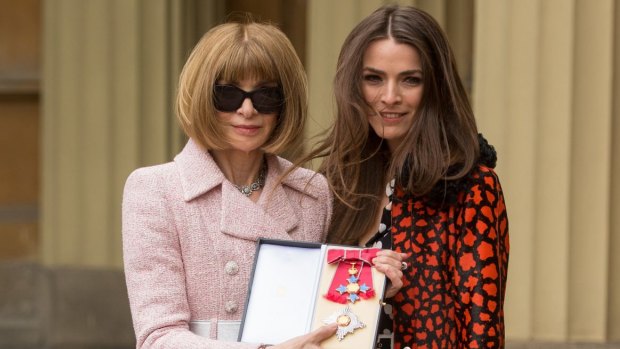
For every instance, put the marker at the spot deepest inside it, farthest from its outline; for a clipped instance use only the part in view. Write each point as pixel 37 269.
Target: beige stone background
pixel 86 90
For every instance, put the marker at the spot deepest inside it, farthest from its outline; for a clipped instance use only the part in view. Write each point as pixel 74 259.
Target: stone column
pixel 543 94
pixel 107 91
pixel 590 171
pixel 614 241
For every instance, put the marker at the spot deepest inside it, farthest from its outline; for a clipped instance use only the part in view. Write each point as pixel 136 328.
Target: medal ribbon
pixel 345 258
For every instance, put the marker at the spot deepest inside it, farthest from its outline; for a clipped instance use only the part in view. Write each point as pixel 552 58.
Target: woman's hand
pixel 311 340
pixel 392 265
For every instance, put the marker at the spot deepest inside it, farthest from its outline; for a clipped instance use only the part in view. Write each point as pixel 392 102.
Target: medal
pixel 347 322
pixel 351 284
pixel 353 288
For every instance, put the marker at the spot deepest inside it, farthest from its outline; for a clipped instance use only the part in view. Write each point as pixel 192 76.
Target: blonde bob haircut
pixel 232 52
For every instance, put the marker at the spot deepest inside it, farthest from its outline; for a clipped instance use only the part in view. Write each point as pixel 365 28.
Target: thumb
pixel 323 332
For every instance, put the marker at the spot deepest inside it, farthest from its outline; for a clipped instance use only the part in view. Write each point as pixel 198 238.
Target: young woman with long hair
pixel 409 172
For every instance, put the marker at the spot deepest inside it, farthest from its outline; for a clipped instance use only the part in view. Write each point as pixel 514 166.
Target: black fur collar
pixel 445 193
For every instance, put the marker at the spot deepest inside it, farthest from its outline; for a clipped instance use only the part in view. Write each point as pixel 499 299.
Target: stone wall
pixel 63 308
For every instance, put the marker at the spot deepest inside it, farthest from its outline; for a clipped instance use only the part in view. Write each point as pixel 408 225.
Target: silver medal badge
pixel 347 322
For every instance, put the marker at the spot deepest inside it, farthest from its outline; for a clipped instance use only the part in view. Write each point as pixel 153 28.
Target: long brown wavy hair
pixel 357 163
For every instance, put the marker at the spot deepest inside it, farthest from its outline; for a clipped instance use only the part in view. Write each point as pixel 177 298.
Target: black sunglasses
pixel 266 100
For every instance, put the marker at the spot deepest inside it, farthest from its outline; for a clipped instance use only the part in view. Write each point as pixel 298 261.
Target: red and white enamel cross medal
pixel 351 284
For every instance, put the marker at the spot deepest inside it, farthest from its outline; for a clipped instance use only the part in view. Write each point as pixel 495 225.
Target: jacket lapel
pixel 273 216
pixel 198 171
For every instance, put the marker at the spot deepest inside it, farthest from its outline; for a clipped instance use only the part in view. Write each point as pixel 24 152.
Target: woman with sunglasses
pixel 190 226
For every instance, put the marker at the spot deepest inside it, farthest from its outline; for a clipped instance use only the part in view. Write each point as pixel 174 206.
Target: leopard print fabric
pixel 453 291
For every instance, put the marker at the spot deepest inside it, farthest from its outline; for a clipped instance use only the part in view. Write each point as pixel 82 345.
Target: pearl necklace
pixel 247 190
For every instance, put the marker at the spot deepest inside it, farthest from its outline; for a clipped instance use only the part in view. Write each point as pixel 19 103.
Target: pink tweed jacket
pixel 189 239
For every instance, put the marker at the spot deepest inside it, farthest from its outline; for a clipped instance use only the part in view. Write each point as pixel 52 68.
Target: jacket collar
pixel 273 216
pixel 198 171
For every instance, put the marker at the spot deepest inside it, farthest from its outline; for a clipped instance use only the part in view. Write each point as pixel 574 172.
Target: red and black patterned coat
pixel 453 293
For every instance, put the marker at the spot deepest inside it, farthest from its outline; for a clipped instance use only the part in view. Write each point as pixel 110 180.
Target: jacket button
pixel 231 307
pixel 231 268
